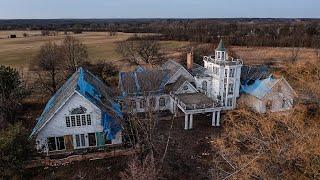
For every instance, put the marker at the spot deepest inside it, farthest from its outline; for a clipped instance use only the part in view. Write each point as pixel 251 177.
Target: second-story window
pixel 78 120
pixel 230 89
pixel 231 73
pixel 204 85
pixel 162 102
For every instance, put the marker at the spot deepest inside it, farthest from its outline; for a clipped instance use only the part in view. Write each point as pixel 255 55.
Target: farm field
pixel 18 52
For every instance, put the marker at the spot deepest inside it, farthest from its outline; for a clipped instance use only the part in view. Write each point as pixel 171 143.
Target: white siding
pixel 57 126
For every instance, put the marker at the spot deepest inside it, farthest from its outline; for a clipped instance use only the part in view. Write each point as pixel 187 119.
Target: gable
pixel 186 87
pixel 56 125
pixel 281 87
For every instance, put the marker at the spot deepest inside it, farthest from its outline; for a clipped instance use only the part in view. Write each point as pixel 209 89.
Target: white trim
pixel 62 104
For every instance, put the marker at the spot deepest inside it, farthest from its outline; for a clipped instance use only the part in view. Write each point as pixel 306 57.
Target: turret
pixel 221 51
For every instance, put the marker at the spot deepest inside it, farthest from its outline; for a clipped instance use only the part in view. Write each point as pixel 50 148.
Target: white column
pixel 191 121
pixel 218 119
pixel 213 118
pixel 186 118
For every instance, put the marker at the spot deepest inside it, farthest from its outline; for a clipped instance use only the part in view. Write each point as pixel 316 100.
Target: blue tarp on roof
pixel 96 92
pixel 260 87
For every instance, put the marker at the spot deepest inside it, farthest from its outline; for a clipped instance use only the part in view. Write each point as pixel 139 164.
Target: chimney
pixel 190 60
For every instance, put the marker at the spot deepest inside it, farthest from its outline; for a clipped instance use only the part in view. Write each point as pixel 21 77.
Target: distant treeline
pixel 244 32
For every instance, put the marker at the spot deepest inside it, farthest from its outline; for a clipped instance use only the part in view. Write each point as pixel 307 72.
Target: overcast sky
pixel 43 9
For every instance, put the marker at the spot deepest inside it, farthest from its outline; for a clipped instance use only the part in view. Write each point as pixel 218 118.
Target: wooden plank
pixel 68 142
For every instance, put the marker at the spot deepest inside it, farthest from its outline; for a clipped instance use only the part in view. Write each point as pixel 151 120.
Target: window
pixel 204 85
pixel 142 103
pixel 133 104
pixel 83 140
pixel 226 73
pixel 67 121
pixel 73 121
pixel 83 119
pixel 77 140
pixel 229 102
pixel 92 139
pixel 284 103
pixel 222 55
pixel 88 119
pixel 162 102
pixel 60 143
pixel 152 102
pixel 185 87
pixel 231 73
pixel 51 143
pixel 230 89
pixel 78 120
pixel 56 143
pixel 218 55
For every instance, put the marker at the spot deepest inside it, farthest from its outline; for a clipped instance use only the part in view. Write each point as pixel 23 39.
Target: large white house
pixel 192 90
pixel 82 114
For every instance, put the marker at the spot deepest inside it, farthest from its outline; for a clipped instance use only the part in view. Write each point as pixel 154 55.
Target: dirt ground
pixel 189 154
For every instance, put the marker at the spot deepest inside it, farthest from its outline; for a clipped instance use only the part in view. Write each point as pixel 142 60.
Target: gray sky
pixel 42 9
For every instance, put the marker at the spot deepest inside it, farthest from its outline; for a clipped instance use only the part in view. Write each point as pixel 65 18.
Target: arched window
pixel 204 85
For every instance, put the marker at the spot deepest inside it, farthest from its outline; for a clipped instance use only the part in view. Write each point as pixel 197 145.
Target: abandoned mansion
pixel 85 113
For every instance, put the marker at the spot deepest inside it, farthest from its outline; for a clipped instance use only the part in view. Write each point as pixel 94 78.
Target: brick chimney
pixel 190 60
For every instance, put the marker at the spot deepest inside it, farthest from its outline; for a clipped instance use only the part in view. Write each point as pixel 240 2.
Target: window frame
pixel 162 102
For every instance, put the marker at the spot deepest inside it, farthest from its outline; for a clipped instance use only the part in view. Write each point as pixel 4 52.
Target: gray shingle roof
pixel 221 46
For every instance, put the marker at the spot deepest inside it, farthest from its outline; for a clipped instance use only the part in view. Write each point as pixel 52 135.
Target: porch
pixel 195 103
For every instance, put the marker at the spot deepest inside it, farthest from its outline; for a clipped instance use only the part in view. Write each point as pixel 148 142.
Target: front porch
pixel 195 103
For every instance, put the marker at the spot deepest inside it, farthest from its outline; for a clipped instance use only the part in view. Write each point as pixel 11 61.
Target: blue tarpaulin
pixel 260 87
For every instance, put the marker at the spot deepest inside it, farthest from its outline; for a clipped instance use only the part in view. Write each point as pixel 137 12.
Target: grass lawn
pixel 20 51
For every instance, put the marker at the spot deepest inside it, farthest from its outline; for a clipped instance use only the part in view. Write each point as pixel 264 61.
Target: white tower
pixel 225 77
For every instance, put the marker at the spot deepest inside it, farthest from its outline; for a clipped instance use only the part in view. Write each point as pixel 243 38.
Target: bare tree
pixel 48 64
pixel 74 52
pixel 142 51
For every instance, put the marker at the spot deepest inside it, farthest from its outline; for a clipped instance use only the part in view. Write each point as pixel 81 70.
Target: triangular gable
pixel 187 83
pixel 86 85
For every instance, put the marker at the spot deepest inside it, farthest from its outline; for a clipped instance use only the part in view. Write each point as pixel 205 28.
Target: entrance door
pixel 80 141
pixel 92 139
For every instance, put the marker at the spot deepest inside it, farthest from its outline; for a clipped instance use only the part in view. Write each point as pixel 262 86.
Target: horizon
pixel 165 9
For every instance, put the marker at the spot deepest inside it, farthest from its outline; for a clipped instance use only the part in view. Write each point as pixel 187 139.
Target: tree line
pixel 243 32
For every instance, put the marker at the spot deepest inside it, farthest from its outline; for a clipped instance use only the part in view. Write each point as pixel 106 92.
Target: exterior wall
pixel 147 107
pixel 56 127
pixel 281 98
pixel 275 99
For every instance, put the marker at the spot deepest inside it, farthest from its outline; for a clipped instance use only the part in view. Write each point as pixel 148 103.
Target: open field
pixel 20 51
